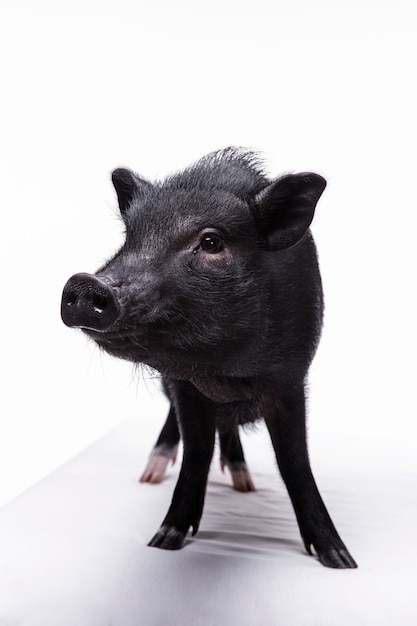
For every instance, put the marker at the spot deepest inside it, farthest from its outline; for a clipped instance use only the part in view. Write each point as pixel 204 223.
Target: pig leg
pixel 231 455
pixel 197 418
pixel 164 451
pixel 288 433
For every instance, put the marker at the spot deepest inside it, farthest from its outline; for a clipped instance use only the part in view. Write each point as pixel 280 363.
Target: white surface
pixel 73 548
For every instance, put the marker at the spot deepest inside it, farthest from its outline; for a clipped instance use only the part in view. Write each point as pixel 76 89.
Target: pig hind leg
pixel 164 451
pixel 231 456
pixel 288 433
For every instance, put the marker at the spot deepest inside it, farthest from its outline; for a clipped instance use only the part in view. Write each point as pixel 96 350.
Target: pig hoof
pixel 155 470
pixel 158 462
pixel 337 559
pixel 242 481
pixel 241 478
pixel 168 538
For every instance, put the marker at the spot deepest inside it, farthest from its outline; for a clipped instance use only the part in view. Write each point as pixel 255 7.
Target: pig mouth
pixel 117 339
pixel 135 341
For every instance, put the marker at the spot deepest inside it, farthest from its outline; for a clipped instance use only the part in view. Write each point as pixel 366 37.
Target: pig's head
pixel 188 289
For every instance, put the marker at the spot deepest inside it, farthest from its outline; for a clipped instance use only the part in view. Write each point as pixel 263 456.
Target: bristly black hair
pixel 237 170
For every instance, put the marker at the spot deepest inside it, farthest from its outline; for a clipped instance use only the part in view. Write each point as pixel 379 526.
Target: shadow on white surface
pixel 74 547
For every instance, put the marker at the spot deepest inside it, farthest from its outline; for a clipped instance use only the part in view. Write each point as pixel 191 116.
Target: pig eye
pixel 211 243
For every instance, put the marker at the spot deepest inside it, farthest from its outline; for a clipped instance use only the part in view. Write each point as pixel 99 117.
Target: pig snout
pixel 88 302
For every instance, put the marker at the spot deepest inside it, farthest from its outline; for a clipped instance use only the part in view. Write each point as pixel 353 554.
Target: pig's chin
pixel 120 343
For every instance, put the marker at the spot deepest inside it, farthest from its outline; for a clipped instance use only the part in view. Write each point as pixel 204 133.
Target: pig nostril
pixel 71 299
pixel 100 302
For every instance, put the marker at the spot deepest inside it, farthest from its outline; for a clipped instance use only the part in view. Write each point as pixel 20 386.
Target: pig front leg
pixel 288 433
pixel 231 456
pixel 197 419
pixel 164 451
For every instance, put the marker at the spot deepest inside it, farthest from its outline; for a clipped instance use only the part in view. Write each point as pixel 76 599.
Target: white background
pixel 88 86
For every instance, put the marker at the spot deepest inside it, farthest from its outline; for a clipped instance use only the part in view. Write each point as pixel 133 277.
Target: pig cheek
pixel 213 309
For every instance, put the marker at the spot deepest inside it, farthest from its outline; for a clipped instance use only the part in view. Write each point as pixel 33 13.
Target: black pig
pixel 217 287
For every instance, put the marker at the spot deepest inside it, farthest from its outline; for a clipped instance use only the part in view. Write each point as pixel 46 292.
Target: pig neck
pixel 223 389
pixel 217 387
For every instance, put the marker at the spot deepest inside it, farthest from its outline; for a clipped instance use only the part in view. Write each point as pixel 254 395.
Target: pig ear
pixel 284 210
pixel 128 185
